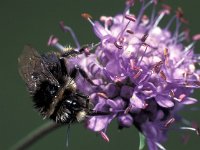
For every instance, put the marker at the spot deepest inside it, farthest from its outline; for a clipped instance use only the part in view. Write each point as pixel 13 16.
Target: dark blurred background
pixel 32 22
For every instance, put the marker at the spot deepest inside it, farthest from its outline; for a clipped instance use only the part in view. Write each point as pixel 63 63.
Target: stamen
pixel 169 122
pixel 130 17
pixel 143 54
pixel 68 29
pixel 170 23
pixel 88 17
pixel 107 21
pixel 171 93
pixel 197 83
pixel 176 32
pixel 167 8
pixel 104 136
pixel 129 3
pixel 102 95
pixel 133 65
pixel 184 35
pixel 196 37
pixel 196 129
pixel 188 128
pixel 180 15
pixel 157 67
pixel 129 31
pixel 137 74
pixel 160 146
pixel 145 19
pixel 127 110
pixel 179 63
pixel 143 8
pixel 146 77
pixel 53 41
pixel 166 55
pixel 145 36
pixel 162 14
pixel 182 96
pixel 163 76
pixel 118 44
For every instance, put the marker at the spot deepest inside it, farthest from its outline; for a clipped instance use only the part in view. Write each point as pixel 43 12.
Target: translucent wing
pixel 33 69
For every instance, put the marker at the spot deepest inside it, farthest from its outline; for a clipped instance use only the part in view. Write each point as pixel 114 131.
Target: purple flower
pixel 143 74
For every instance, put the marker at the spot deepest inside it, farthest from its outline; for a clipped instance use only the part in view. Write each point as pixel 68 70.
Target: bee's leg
pixel 76 69
pixel 63 66
pixel 84 74
pixel 82 95
pixel 71 53
pixel 87 104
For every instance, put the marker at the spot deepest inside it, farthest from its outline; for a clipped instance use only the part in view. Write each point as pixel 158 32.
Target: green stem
pixel 34 136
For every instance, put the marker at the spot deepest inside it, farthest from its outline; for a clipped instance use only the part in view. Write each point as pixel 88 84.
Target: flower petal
pixel 189 101
pixel 98 123
pixel 164 101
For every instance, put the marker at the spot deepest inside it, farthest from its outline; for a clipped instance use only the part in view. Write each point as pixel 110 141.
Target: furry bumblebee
pixel 52 86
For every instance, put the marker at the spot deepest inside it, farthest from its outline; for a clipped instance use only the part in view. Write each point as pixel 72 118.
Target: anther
pixel 104 136
pixel 102 95
pixel 171 93
pixel 169 122
pixel 87 17
pixel 129 3
pixel 53 41
pixel 157 67
pixel 137 74
pixel 143 39
pixel 129 31
pixel 166 55
pixel 118 44
pixel 197 83
pixel 163 76
pixel 180 15
pixel 127 110
pixel 182 96
pixel 166 8
pixel 166 52
pixel 130 17
pixel 133 65
pixel 196 37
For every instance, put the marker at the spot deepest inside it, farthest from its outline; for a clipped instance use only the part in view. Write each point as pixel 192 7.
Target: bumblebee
pixel 52 85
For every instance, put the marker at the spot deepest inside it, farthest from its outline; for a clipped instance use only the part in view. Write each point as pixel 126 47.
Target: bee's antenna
pixel 68 133
pixel 68 29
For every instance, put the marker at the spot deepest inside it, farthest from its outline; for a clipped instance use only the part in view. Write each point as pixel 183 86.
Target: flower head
pixel 143 74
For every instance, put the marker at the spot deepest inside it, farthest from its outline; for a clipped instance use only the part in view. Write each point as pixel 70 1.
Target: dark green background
pixel 33 21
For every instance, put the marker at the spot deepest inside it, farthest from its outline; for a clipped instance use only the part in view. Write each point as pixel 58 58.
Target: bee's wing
pixel 33 70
